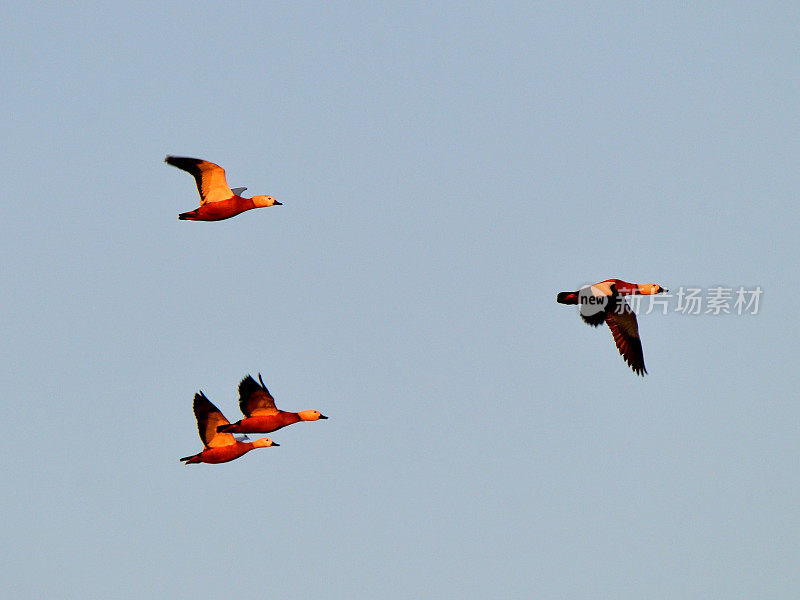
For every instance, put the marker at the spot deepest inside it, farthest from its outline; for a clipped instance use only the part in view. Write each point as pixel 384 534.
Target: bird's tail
pixel 567 298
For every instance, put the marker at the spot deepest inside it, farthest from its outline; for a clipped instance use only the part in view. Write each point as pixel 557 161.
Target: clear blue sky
pixel 445 170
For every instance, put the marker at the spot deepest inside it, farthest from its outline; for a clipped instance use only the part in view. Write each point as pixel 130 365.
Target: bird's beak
pixel 278 203
pixel 323 417
pixel 664 290
pixel 274 444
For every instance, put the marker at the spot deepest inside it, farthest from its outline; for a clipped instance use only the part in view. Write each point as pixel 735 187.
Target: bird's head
pixel 260 201
pixel 648 289
pixel 264 443
pixel 310 415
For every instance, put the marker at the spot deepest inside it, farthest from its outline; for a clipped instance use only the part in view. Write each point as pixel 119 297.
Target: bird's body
pixel 604 302
pixel 219 211
pixel 221 454
pixel 217 200
pixel 263 423
pixel 261 414
pixel 218 447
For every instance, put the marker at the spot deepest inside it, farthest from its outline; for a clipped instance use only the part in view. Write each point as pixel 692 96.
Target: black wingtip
pixel 247 385
pixel 639 370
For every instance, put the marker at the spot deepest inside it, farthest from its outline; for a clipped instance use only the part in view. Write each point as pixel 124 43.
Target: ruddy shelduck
pixel 604 302
pixel 217 200
pixel 218 447
pixel 261 415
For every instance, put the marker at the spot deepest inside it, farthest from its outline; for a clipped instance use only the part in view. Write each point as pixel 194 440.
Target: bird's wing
pixel 621 320
pixel 209 418
pixel 255 399
pixel 238 191
pixel 210 178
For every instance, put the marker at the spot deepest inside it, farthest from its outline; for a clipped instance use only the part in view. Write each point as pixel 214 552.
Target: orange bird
pixel 604 302
pixel 261 415
pixel 217 200
pixel 218 447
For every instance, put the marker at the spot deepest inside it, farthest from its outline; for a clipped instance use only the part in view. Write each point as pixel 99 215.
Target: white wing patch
pixel 601 289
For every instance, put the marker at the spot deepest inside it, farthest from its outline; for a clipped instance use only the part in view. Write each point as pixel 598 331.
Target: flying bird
pixel 218 447
pixel 217 200
pixel 261 415
pixel 605 302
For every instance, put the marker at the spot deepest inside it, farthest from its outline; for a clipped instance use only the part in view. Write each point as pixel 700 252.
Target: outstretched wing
pixel 621 320
pixel 210 178
pixel 209 418
pixel 255 399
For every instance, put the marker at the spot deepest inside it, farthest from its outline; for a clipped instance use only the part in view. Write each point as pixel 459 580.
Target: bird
pixel 604 302
pixel 217 200
pixel 261 415
pixel 218 447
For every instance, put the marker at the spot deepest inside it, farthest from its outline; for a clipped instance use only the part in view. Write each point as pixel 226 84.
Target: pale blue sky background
pixel 445 170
